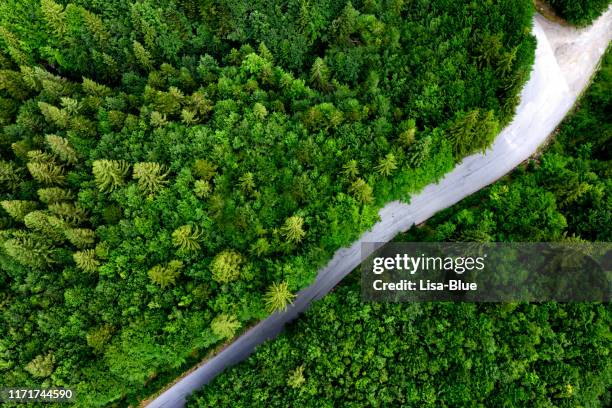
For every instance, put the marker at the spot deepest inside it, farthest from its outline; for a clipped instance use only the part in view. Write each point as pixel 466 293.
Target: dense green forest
pixel 579 12
pixel 172 171
pixel 344 352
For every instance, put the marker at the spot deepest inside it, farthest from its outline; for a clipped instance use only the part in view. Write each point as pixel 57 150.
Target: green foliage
pixel 386 165
pixel 62 149
pixel 99 337
pixel 30 249
pixel 41 366
pixel 581 12
pixel 109 174
pixel 52 195
pixel 86 260
pixel 201 188
pixel 18 209
pixel 9 175
pixel 47 173
pixel 80 237
pixel 51 227
pixel 362 191
pixel 473 131
pixel 293 229
pixel 151 177
pixel 226 266
pixel 224 326
pixel 350 353
pixel 260 124
pixel 296 377
pixel 165 275
pixel 278 297
pixel 185 238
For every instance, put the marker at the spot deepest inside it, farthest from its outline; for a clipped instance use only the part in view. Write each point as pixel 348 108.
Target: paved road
pixel 565 60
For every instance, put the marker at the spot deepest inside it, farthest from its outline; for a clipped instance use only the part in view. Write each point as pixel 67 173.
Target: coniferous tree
pixel 226 266
pixel 351 169
pixel 293 229
pixel 189 117
pixel 386 165
pixel 362 191
pixel 201 188
pixel 142 56
pixel 259 111
pixel 29 249
pixel 319 75
pixel 419 152
pixel 9 175
pixel 247 182
pixel 151 177
pixel 47 173
pixel 69 212
pixel 278 297
pixel 224 326
pixel 14 47
pixel 165 275
pixel 99 337
pixel 80 237
pixel 86 260
pixel 18 209
pixel 296 377
pixel 204 169
pixel 62 148
pixel 53 114
pixel 42 366
pixel 45 224
pixel 93 88
pixel 260 247
pixel 52 195
pixel 109 174
pixel 185 238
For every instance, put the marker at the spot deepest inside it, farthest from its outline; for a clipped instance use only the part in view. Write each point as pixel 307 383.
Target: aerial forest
pixel 173 171
pixel 344 352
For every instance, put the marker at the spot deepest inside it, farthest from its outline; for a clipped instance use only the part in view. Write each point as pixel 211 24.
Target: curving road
pixel 566 59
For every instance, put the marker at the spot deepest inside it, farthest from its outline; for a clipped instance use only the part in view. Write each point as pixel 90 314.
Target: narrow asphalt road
pixel 566 59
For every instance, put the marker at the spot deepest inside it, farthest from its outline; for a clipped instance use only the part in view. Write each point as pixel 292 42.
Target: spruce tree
pixel 351 169
pixel 52 195
pixel 185 238
pixel 387 165
pixel 43 223
pixel 18 209
pixel 293 229
pixel 42 366
pixel 142 55
pixel 151 177
pixel 109 174
pixel 53 114
pixel 201 188
pixel 278 297
pixel 296 377
pixel 226 266
pixel 62 149
pixel 80 237
pixel 86 260
pixel 224 326
pixel 47 173
pixel 69 212
pixel 29 249
pixel 165 275
pixel 319 75
pixel 9 175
